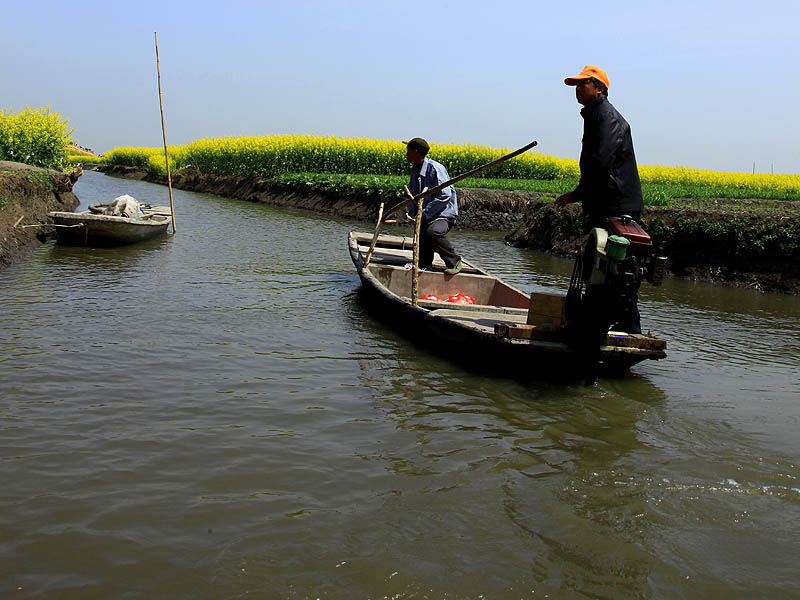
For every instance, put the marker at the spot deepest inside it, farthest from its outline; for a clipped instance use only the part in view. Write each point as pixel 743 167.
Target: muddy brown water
pixel 215 415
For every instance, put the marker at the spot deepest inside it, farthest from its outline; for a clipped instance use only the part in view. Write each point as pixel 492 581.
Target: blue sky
pixel 703 84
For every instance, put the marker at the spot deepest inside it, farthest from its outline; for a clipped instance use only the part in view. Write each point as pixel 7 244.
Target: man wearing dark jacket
pixel 609 184
pixel 609 187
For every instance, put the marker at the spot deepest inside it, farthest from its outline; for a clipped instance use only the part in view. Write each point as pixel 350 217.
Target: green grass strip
pixel 655 194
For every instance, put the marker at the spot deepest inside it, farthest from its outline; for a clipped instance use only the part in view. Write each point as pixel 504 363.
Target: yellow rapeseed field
pixel 705 177
pixel 275 154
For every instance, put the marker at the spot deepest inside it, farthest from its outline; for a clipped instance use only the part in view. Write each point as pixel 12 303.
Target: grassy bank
pixel 274 156
pixel 755 243
pixel 655 194
pixel 733 226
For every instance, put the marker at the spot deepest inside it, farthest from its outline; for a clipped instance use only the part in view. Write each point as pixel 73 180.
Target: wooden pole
pixel 164 134
pixel 415 266
pixel 374 238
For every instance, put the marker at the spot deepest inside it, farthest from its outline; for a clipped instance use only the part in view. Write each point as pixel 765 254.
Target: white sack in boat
pixel 125 206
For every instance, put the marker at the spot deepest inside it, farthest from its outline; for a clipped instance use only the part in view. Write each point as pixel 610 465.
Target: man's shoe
pixel 455 269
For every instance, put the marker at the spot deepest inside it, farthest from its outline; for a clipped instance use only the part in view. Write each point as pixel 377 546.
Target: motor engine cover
pixel 628 228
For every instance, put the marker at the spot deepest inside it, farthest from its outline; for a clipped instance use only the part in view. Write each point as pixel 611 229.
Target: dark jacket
pixel 609 184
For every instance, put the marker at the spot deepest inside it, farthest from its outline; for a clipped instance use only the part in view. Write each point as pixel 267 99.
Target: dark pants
pixel 609 309
pixel 597 312
pixel 628 319
pixel 433 240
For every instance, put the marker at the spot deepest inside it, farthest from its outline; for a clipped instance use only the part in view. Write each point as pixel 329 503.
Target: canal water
pixel 215 414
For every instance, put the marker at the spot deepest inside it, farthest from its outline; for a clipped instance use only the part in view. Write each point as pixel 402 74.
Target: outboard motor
pixel 621 256
pixel 612 266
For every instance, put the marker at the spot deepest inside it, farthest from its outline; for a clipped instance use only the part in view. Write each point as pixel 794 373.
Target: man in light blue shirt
pixel 439 211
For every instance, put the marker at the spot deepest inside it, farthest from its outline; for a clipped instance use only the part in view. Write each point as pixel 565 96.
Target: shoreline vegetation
pixel 734 228
pixel 749 243
pixel 740 229
pixel 368 163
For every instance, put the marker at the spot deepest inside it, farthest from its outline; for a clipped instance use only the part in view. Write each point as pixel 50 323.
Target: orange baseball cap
pixel 589 71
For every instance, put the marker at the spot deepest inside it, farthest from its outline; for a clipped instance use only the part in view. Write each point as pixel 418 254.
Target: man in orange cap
pixel 609 187
pixel 609 184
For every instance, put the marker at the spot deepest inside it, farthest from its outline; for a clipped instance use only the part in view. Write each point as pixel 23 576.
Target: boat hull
pixel 87 229
pixel 468 333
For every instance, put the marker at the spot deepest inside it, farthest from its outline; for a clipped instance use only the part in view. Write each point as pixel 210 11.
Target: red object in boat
pixel 431 297
pixel 461 299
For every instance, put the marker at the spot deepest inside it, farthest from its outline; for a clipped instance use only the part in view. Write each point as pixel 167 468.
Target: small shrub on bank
pixel 35 136
pixel 83 159
pixel 129 156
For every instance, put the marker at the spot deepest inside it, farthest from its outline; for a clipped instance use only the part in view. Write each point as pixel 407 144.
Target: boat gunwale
pixel 155 220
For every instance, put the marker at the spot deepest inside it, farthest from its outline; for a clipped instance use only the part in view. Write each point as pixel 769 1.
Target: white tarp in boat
pixel 125 206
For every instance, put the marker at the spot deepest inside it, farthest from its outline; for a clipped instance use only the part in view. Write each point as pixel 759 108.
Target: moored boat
pixel 95 228
pixel 503 331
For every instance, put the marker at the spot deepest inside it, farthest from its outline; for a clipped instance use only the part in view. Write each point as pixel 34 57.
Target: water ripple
pixel 216 413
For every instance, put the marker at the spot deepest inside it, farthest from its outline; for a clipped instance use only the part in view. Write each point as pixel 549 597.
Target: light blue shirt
pixel 444 204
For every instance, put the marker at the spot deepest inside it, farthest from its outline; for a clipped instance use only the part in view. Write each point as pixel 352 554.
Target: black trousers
pixel 600 309
pixel 432 239
pixel 606 309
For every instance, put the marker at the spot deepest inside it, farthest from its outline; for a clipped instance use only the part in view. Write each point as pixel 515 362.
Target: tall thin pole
pixel 164 134
pixel 415 254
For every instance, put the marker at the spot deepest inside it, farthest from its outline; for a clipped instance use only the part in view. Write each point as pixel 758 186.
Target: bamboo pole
pixel 164 134
pixel 375 237
pixel 415 266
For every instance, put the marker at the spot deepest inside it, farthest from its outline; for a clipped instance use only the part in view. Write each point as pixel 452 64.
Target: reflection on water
pixel 214 414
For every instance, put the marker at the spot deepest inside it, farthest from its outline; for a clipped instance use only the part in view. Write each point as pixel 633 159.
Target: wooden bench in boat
pixel 398 251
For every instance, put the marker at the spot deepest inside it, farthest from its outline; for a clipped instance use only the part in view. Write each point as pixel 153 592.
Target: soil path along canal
pixel 213 414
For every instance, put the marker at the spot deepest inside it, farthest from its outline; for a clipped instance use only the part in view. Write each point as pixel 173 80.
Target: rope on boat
pixel 49 225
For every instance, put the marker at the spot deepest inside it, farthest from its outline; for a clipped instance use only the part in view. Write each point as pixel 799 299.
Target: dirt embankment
pixel 745 243
pixel 27 194
pixel 487 210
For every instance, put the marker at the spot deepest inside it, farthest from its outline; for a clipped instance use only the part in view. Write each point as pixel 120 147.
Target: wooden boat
pixel 494 333
pixel 92 228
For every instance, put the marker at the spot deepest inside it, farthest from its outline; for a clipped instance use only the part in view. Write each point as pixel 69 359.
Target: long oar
pixel 439 188
pixel 164 134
